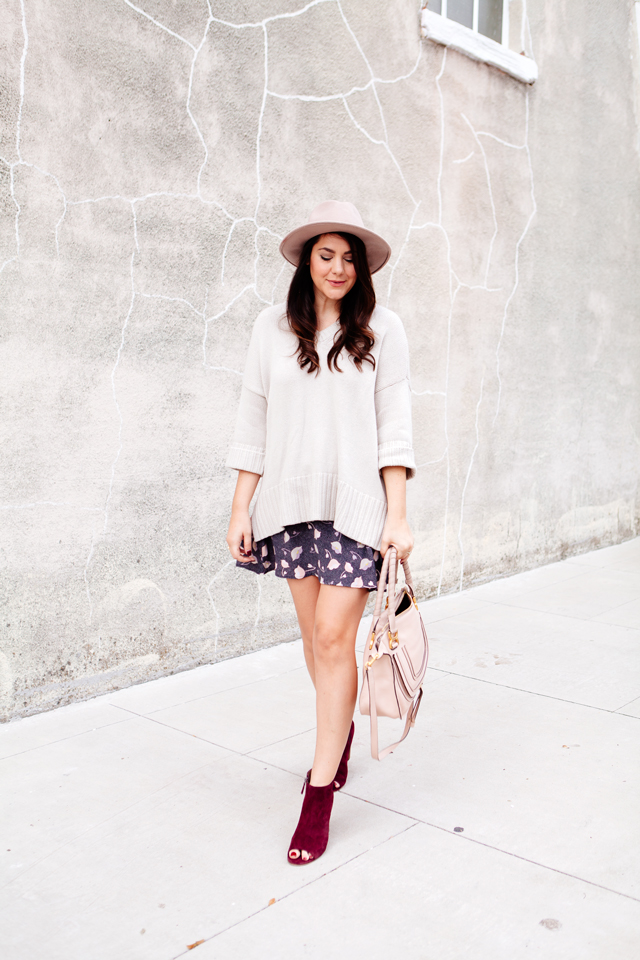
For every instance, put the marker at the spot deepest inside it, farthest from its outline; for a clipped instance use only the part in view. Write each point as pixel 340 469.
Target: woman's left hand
pixel 398 533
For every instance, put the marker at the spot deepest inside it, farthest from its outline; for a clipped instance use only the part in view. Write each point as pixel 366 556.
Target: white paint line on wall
pixel 399 257
pixel 466 484
pixel 517 257
pixel 491 200
pixel 372 75
pixel 114 462
pixel 213 606
pixel 161 25
pixel 123 335
pixel 452 295
pixel 23 59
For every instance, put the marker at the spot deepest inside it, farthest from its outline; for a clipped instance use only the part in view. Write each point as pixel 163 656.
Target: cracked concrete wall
pixel 153 155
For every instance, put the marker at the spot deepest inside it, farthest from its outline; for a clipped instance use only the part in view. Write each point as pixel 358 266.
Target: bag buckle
pixel 393 640
pixel 372 659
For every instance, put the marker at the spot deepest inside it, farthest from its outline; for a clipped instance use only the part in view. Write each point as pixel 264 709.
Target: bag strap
pixel 387 580
pixel 389 572
pixel 391 589
pixel 412 713
pixel 382 583
pixel 407 574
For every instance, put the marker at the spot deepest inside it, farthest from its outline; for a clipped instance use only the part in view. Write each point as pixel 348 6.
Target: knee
pixel 328 642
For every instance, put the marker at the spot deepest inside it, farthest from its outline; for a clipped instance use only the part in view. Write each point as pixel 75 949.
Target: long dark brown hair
pixel 356 307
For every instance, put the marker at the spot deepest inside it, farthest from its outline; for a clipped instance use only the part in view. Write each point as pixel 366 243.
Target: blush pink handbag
pixel 395 656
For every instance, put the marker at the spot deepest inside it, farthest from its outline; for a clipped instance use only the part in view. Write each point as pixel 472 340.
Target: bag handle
pixel 382 583
pixel 388 573
pixel 407 573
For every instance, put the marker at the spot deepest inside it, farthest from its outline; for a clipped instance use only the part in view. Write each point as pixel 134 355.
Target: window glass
pixel 435 6
pixel 461 11
pixel 490 19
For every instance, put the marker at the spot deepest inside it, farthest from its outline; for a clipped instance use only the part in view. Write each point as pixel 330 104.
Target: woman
pixel 325 421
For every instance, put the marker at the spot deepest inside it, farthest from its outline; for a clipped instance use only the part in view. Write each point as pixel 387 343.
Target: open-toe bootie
pixel 312 832
pixel 341 775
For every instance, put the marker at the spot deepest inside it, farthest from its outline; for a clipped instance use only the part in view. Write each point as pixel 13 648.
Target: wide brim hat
pixel 334 216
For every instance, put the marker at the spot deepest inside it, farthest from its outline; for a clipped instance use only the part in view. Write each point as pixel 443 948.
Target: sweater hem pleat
pixel 322 496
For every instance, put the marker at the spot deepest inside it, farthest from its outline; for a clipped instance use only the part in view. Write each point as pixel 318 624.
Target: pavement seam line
pixel 72 736
pixel 627 704
pixel 566 616
pixel 102 822
pixel 213 743
pixel 506 853
pixel 238 686
pixel 478 586
pixel 535 693
pixel 398 813
pixel 304 885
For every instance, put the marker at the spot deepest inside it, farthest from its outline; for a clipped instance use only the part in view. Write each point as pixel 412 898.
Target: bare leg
pixel 338 614
pixel 329 618
pixel 305 597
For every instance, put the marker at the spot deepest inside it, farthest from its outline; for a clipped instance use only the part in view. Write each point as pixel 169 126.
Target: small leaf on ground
pixel 190 946
pixel 273 900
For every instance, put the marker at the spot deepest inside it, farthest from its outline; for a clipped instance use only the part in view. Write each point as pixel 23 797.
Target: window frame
pixel 438 28
pixel 504 41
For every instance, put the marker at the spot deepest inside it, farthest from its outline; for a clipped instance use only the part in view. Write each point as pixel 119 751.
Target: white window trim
pixel 475 45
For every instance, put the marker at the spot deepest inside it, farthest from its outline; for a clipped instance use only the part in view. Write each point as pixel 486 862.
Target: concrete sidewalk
pixel 507 825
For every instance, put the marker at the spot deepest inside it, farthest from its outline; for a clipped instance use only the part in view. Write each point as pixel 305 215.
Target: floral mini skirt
pixel 317 549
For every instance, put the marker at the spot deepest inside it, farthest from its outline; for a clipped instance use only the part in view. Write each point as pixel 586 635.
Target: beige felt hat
pixel 333 216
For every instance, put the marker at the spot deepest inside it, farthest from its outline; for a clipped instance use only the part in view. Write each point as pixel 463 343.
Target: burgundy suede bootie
pixel 341 775
pixel 312 832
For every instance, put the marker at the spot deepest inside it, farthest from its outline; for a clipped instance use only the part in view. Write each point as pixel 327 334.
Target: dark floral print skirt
pixel 317 549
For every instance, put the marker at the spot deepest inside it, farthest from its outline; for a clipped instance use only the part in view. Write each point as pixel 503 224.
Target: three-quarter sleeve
pixel 249 442
pixel 393 402
pixel 393 415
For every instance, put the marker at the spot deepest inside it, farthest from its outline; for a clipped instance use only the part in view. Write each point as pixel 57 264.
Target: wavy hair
pixel 356 308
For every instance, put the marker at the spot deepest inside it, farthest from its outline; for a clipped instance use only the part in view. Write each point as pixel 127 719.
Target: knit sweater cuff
pixel 397 453
pixel 242 457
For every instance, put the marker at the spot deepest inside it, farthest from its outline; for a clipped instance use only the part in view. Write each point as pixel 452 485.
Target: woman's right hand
pixel 239 536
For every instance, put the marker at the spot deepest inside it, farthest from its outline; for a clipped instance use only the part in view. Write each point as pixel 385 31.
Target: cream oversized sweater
pixel 319 442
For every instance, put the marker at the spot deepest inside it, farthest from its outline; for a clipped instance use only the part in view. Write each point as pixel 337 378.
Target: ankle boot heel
pixel 312 832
